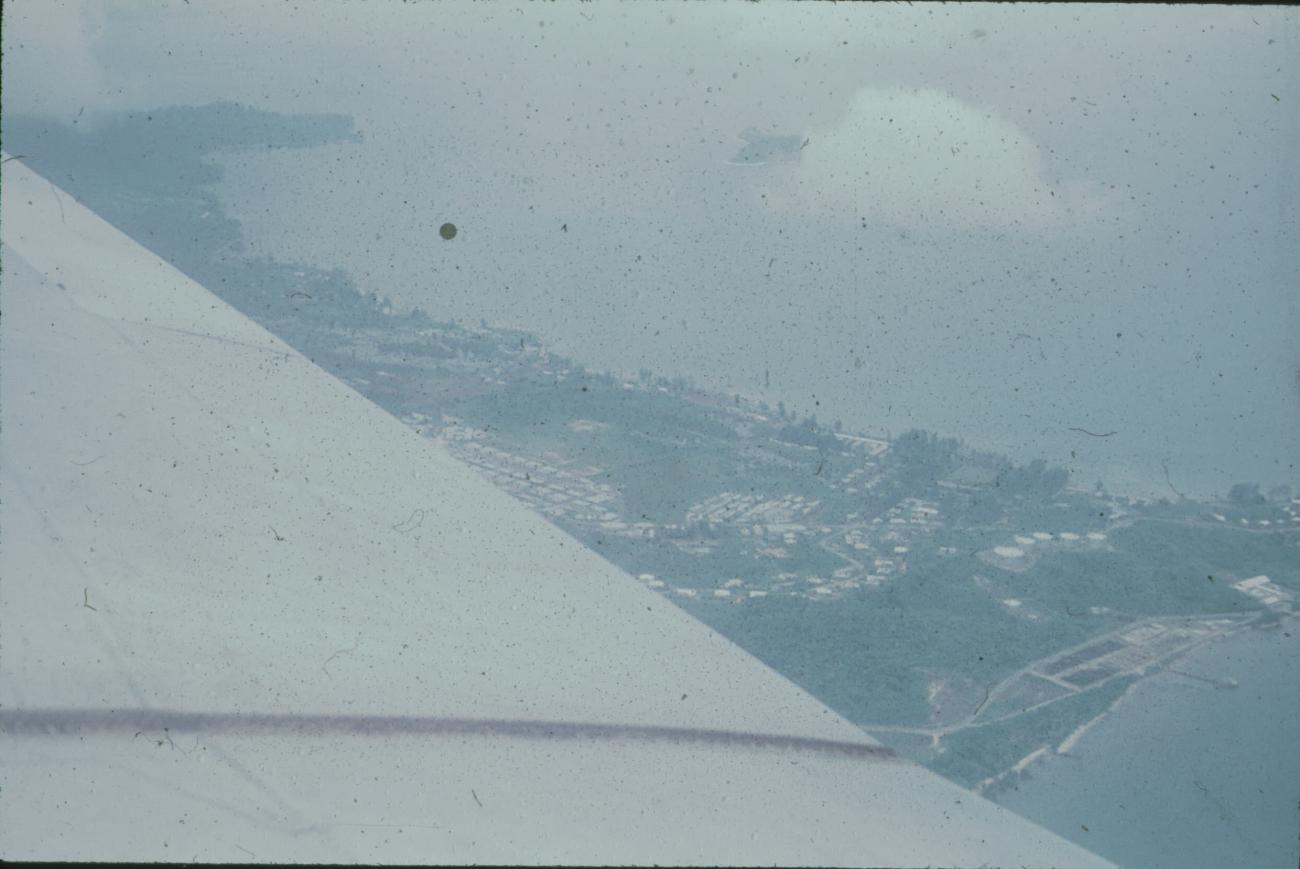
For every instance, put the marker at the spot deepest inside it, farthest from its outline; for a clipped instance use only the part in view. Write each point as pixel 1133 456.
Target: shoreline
pixel 1163 762
pixel 1065 746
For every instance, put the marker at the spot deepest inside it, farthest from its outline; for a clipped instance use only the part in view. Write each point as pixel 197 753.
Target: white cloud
pixel 922 158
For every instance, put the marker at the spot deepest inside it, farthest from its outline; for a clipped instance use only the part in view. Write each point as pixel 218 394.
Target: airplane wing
pixel 247 615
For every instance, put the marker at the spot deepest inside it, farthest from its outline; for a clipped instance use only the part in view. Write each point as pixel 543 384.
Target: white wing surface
pixel 247 615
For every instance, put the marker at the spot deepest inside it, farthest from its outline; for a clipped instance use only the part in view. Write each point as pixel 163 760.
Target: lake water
pixel 1182 774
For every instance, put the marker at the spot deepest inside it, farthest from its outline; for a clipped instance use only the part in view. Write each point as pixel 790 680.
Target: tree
pixel 1035 479
pixel 1245 493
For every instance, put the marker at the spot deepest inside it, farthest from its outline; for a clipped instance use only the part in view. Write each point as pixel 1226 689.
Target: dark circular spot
pixel 447 231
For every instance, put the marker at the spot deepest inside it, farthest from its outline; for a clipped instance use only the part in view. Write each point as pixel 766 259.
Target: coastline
pixel 1175 753
pixel 1165 668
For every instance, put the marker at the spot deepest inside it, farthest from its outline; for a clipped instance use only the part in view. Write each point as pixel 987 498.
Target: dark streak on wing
pixel 115 323
pixel 66 722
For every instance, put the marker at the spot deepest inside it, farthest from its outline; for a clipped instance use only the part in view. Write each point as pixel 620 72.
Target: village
pixel 864 528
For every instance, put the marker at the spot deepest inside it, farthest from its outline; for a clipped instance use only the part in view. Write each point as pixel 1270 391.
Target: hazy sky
pixel 1006 221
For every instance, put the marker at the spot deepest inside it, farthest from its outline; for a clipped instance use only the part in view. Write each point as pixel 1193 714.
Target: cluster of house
pixel 1267 592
